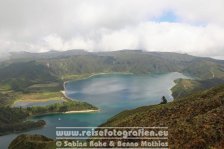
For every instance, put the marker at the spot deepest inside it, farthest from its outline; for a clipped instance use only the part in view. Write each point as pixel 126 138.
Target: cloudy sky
pixel 187 26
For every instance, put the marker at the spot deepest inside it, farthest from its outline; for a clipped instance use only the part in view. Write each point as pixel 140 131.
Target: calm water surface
pixel 112 94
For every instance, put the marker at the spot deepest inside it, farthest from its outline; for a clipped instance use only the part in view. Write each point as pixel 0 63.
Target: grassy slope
pixel 135 62
pixel 40 97
pixel 196 121
pixel 32 142
pixel 186 87
pixel 75 62
pixel 31 81
pixel 205 69
pixel 7 98
pixel 15 119
pixel 19 76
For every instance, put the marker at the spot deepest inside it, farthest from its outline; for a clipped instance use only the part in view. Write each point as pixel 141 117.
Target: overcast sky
pixel 187 26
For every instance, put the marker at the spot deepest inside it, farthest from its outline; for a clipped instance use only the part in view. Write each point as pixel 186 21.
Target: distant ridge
pixel 49 54
pixel 135 61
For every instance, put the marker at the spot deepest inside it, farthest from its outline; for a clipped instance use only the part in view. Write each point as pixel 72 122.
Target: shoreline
pixel 108 73
pixel 75 111
pixel 90 76
pixel 81 111
pixel 64 94
pixel 67 112
pixel 96 74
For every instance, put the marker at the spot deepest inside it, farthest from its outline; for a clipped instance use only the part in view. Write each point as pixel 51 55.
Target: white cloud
pixel 151 36
pixel 112 25
pixel 200 11
pixel 54 41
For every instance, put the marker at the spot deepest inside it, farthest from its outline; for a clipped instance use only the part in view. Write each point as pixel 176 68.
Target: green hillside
pixel 6 99
pixel 15 120
pixel 195 121
pixel 205 69
pixel 18 76
pixel 31 82
pixel 135 61
pixel 186 87
pixel 32 142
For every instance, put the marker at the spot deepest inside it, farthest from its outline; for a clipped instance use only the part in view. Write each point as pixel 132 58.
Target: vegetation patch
pixel 32 141
pixel 14 120
pixel 186 87
pixel 39 97
pixel 195 121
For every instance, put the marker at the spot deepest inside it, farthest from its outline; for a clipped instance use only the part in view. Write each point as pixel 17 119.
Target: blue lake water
pixel 112 93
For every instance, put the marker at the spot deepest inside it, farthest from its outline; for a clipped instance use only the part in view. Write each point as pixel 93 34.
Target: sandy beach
pixel 82 111
pixel 63 92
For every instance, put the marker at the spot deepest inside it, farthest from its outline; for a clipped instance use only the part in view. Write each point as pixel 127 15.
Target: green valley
pixel 39 77
pixel 23 82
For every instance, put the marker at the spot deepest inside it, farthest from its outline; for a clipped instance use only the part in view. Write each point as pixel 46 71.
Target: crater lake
pixel 111 93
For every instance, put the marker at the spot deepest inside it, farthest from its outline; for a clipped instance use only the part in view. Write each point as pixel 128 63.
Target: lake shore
pixel 87 76
pixel 64 94
pixel 109 73
pixel 93 75
pixel 90 76
pixel 82 111
pixel 67 112
pixel 95 118
pixel 75 111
